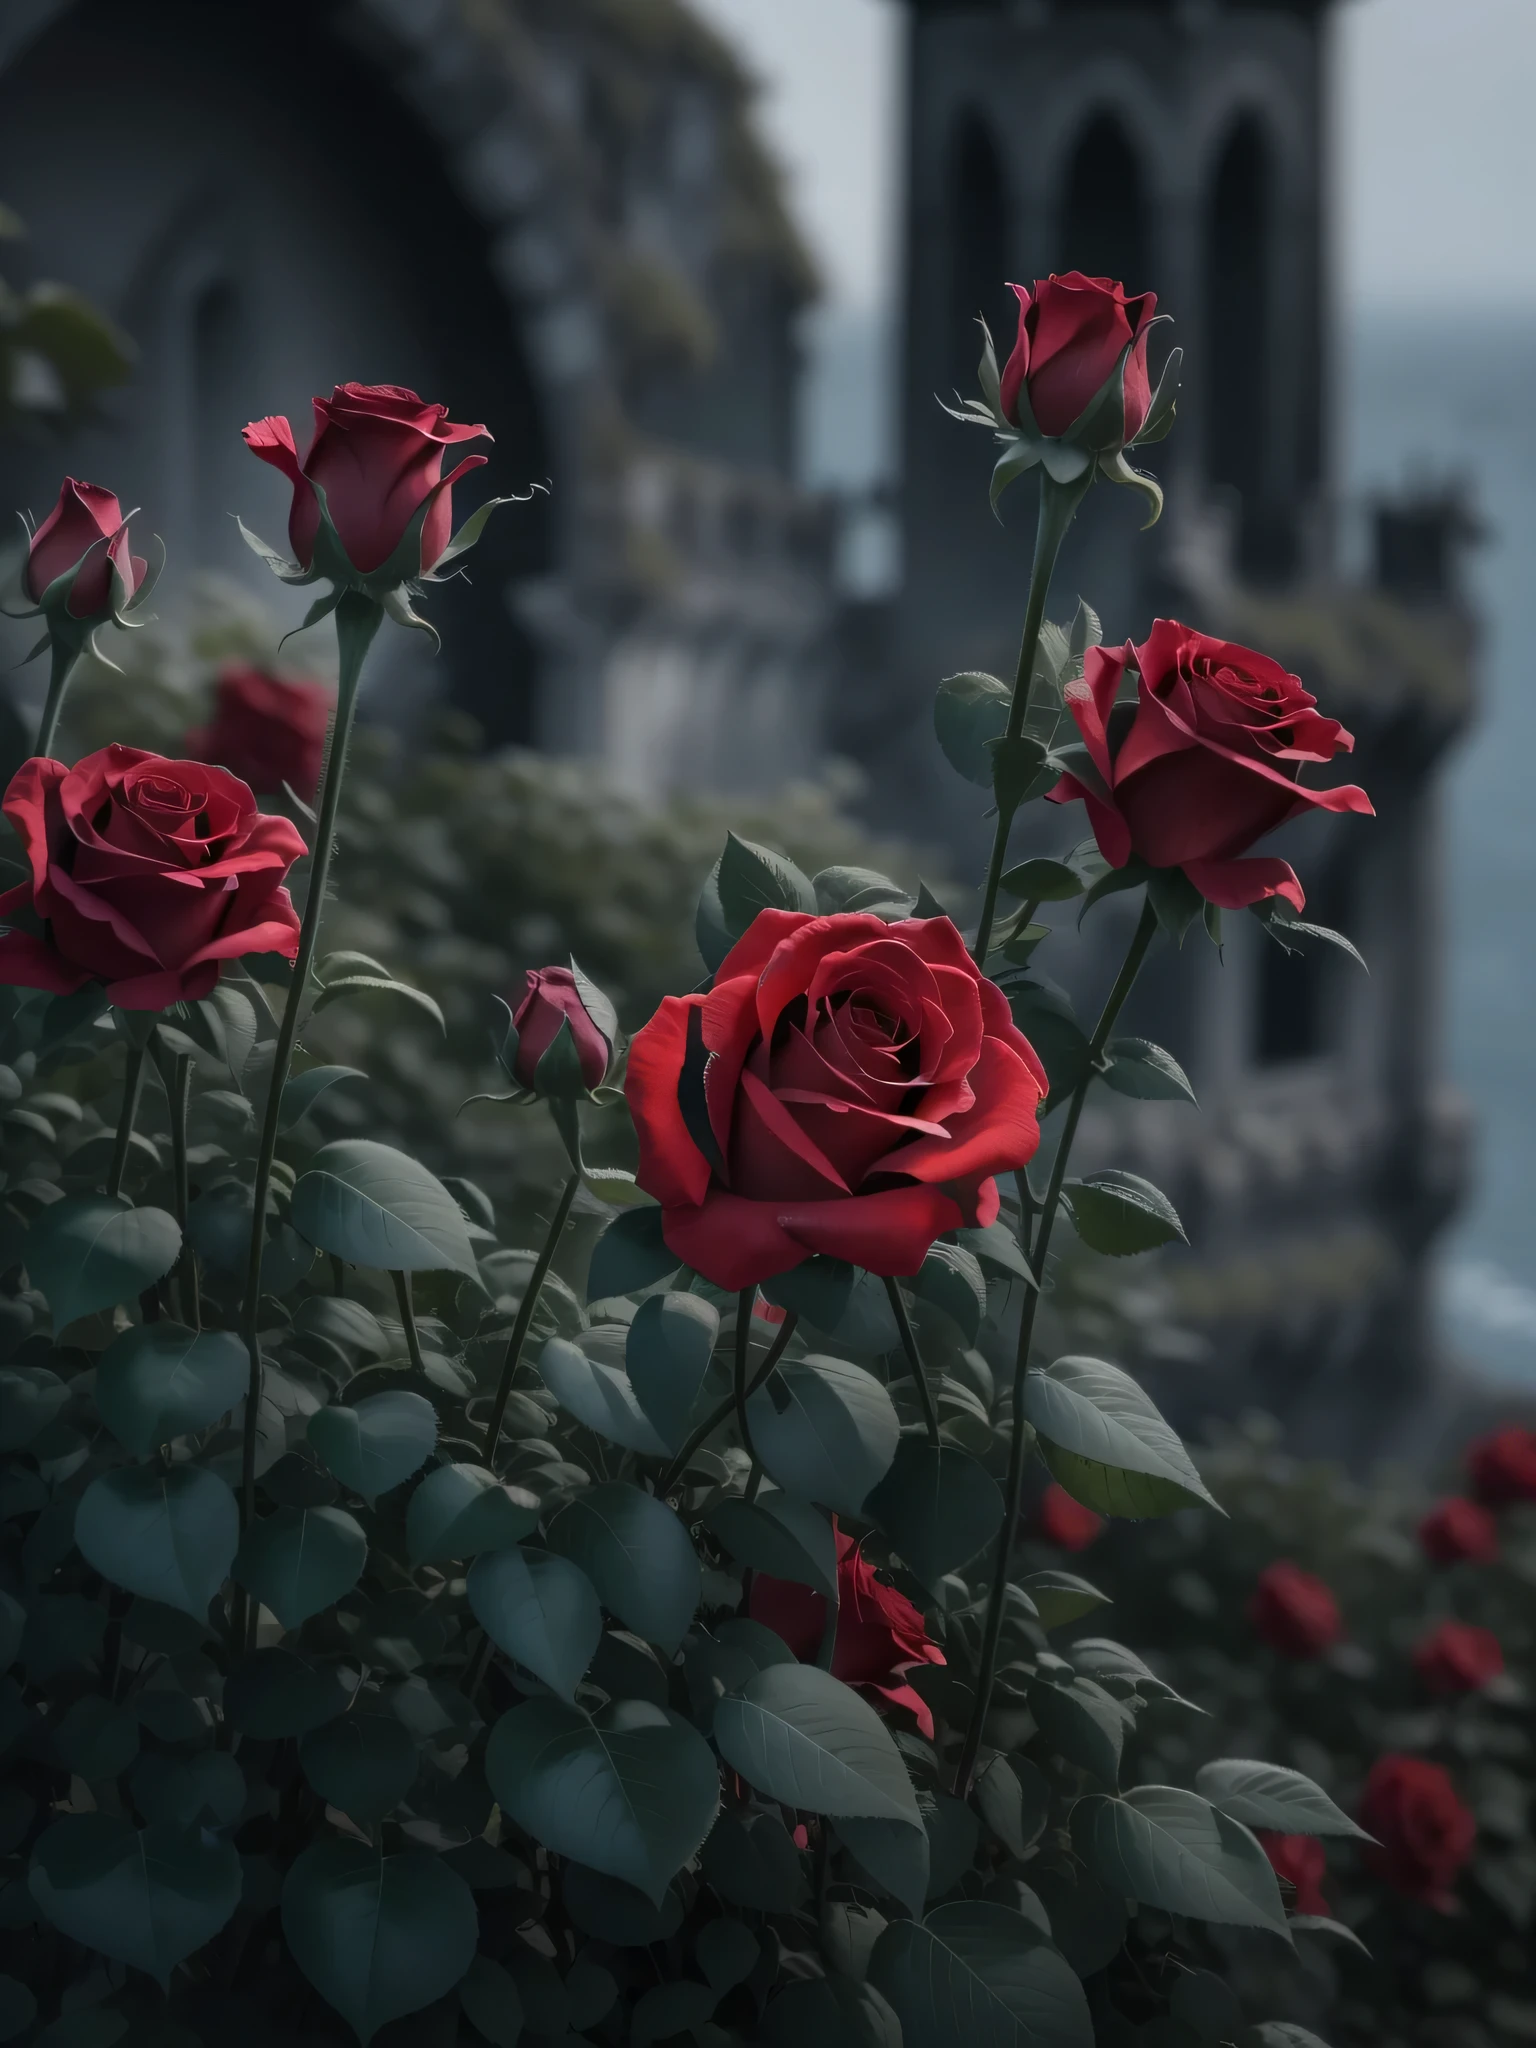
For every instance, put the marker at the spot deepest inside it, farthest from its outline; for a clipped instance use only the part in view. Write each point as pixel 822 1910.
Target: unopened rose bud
pixel 1073 331
pixel 556 998
pixel 85 533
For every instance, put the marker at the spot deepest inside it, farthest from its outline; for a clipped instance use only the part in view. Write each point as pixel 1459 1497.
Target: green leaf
pixel 667 1356
pixel 969 712
pixel 631 1793
pixel 542 1610
pixel 1106 1442
pixel 825 1429
pixel 377 1936
pixel 208 1789
pixel 667 2011
pixel 1088 1923
pixel 377 985
pixel 844 889
pixel 1082 1723
pixel 639 1557
pixel 162 1380
pixel 88 1252
pixel 1270 1796
pixel 610 1910
pixel 304 1091
pixel 148 1899
pixel 728 1951
pixel 781 1534
pixel 829 2012
pixel 630 1254
pixel 275 1693
pixel 376 1444
pixel 491 2004
pixel 18 2008
pixel 938 1505
pixel 30 1397
pixel 980 1974
pixel 998 1251
pixel 1120 1213
pixel 169 1536
pixel 1044 1014
pixel 362 1764
pixel 754 878
pixel 298 1561
pixel 895 1855
pixel 951 1278
pixel 1060 1597
pixel 1043 881
pixel 751 1862
pixel 461 1509
pixel 96 1740
pixel 847 1305
pixel 1175 899
pixel 1141 1069
pixel 369 1205
pixel 599 1396
pixel 1170 1848
pixel 1282 2034
pixel 802 1737
pixel 1015 1801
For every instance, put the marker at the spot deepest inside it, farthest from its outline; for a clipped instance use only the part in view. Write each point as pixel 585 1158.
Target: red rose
pixel 1206 762
pixel 1457 1530
pixel 1073 331
pixel 550 999
pixel 847 1087
pixel 1423 1832
pixel 1294 1612
pixel 377 454
pixel 1066 1522
pixel 268 730
pixel 148 875
pixel 1457 1657
pixel 1503 1466
pixel 1302 1861
pixel 85 530
pixel 880 1634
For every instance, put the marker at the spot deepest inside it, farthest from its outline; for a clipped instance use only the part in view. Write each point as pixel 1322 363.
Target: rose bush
pixel 1073 331
pixel 267 729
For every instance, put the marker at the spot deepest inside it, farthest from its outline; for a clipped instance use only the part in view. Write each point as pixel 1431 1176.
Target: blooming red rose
pixel 1502 1466
pixel 148 874
pixel 86 528
pixel 1073 331
pixel 267 729
pixel 880 1634
pixel 847 1087
pixel 1457 1531
pixel 551 998
pixel 1294 1612
pixel 1302 1861
pixel 1423 1832
pixel 1458 1657
pixel 1205 762
pixel 1066 1522
pixel 377 454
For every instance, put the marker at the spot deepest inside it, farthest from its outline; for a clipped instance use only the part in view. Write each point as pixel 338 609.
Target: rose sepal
pixel 472 529
pixel 1164 406
pixel 1114 468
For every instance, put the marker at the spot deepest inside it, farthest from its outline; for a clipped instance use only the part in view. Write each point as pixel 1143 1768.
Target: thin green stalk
pixel 914 1359
pixel 1018 1448
pixel 1058 504
pixel 408 1318
pixel 133 1086
pixel 357 620
pixel 726 1409
pixel 186 1265
pixel 743 1347
pixel 62 659
pixel 526 1307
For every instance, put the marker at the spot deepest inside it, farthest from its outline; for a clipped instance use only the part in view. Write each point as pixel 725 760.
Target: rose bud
pixel 267 729
pixel 1064 1521
pixel 880 1634
pixel 1294 1612
pixel 147 875
pixel 1502 1466
pixel 86 534
pixel 1302 1861
pixel 1458 1531
pixel 1073 332
pixel 847 1086
pixel 1206 762
pixel 1423 1832
pixel 369 495
pixel 1458 1657
pixel 562 1035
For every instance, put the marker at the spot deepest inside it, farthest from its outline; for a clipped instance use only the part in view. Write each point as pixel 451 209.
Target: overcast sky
pixel 1435 130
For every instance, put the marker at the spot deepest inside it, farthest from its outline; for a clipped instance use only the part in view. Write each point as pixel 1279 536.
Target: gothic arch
pixel 980 246
pixel 1102 219
pixel 1238 255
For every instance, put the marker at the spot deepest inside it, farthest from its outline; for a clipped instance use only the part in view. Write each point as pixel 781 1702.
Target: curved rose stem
pixel 186 1266
pixel 1018 1450
pixel 914 1358
pixel 524 1320
pixel 133 1087
pixel 743 1347
pixel 62 659
pixel 408 1319
pixel 357 620
pixel 727 1407
pixel 1058 504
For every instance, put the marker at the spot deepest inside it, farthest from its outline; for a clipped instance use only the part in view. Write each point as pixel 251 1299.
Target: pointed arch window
pixel 1238 327
pixel 979 245
pixel 1103 229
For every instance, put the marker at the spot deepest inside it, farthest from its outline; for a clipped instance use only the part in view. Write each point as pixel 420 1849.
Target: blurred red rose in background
pixel 1302 1861
pixel 1457 1531
pixel 1294 1612
pixel 1064 1521
pixel 1458 1657
pixel 1423 1832
pixel 267 729
pixel 1502 1466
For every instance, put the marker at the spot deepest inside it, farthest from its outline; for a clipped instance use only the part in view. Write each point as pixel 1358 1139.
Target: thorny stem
pixel 63 658
pixel 1018 1449
pixel 726 1409
pixel 525 1311
pixel 744 1301
pixel 133 1085
pixel 914 1359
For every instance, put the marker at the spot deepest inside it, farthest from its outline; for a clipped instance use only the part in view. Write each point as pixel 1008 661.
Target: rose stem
pixel 1058 504
pixel 526 1307
pixel 1018 1448
pixel 914 1358
pixel 408 1319
pixel 357 620
pixel 744 1301
pixel 712 1421
pixel 62 659
pixel 186 1265
pixel 133 1084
